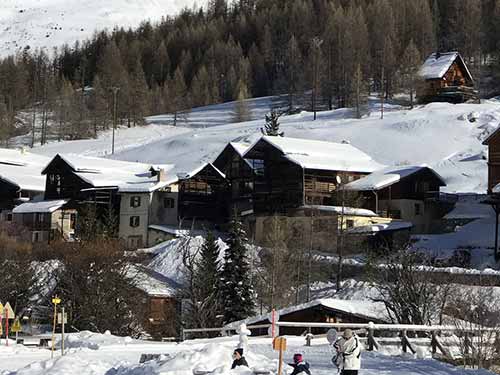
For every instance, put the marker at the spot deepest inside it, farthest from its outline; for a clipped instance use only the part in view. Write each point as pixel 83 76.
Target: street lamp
pixel 115 94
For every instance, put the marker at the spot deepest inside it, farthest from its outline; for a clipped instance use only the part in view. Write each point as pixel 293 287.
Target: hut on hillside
pixel 445 78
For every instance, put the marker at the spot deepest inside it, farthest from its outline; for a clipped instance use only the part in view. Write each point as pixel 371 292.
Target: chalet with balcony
pixel 290 173
pixel 445 78
pixel 410 193
pixel 240 174
pixel 138 194
pixel 204 197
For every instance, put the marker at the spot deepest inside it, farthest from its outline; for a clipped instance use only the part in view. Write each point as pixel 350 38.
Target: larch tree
pixel 236 281
pixel 241 111
pixel 410 64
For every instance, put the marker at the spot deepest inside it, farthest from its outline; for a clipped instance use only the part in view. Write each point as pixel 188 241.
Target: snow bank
pixel 213 358
pixel 94 341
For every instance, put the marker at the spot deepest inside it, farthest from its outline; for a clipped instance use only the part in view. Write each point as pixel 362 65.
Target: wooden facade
pixel 281 185
pixel 453 83
pixel 493 143
pixel 241 177
pixel 204 197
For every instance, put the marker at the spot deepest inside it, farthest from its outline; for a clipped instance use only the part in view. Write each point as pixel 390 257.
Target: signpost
pixel 279 344
pixel 56 301
pixel 62 319
pixel 8 314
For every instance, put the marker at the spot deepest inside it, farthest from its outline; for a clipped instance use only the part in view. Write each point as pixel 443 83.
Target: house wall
pixel 324 232
pixel 493 162
pixel 134 236
pixel 161 213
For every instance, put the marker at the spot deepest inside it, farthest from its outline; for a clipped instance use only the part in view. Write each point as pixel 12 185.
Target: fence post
pixel 434 343
pixel 403 341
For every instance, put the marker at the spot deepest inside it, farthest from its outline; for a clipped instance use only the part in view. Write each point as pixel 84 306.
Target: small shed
pixel 328 310
pixel 445 78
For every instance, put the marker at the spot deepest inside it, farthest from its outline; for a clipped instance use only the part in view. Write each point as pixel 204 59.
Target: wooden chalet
pixel 493 143
pixel 290 173
pixel 204 197
pixel 445 78
pixel 328 310
pixel 410 193
pixel 240 175
pixel 133 191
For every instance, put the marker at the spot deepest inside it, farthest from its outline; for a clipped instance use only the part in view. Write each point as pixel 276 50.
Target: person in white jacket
pixel 351 353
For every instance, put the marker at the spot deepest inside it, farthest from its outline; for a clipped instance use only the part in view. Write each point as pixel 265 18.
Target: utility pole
pixel 115 94
pixel 340 241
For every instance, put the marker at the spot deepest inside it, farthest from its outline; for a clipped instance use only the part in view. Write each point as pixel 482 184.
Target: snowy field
pixel 52 23
pixel 445 136
pixel 95 354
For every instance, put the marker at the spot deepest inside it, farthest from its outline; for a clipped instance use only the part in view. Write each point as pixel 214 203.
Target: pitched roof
pixel 125 176
pixel 39 207
pixel 381 227
pixel 491 136
pixel 437 64
pixel 388 176
pixel 23 169
pixel 363 309
pixel 349 211
pixel 329 156
pixel 152 283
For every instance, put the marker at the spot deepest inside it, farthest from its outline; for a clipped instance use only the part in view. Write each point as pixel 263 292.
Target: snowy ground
pixel 439 134
pixel 120 356
pixel 52 23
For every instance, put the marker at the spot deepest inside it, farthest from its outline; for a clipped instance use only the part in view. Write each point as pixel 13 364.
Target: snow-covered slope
pixel 441 135
pixel 51 23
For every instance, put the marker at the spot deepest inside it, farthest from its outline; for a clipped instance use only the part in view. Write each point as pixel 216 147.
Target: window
pixel 9 217
pixel 168 203
pixel 135 201
pixel 134 242
pixel 350 223
pixel 417 209
pixel 36 237
pixel 39 218
pixel 135 221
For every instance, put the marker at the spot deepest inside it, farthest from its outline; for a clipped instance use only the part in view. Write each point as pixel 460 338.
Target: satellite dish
pixel 331 336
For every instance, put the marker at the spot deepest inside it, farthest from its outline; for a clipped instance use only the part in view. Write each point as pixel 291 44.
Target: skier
pixel 238 359
pixel 349 350
pixel 299 365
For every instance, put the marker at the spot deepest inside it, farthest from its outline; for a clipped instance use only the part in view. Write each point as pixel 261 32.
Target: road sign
pixel 279 343
pixel 16 327
pixel 56 300
pixel 8 312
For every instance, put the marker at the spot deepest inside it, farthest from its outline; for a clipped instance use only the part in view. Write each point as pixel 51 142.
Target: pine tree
pixel 358 92
pixel 207 281
pixel 236 285
pixel 272 127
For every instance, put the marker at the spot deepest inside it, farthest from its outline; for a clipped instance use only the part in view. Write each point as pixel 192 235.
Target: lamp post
pixel 115 94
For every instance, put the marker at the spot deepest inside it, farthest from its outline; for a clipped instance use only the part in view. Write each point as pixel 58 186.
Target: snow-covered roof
pixel 193 173
pixel 240 147
pixel 329 156
pixel 470 210
pixel 381 227
pixel 388 176
pixel 436 65
pixel 127 177
pixel 350 211
pixel 363 309
pixel 39 207
pixel 175 231
pixel 152 283
pixel 23 169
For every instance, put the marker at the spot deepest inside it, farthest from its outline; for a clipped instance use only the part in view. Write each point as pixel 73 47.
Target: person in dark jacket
pixel 238 359
pixel 299 365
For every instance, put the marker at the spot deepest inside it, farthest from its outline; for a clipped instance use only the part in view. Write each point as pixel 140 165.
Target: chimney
pixel 161 175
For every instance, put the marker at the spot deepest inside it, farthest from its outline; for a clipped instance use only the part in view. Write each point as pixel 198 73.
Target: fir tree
pixel 236 288
pixel 206 282
pixel 272 127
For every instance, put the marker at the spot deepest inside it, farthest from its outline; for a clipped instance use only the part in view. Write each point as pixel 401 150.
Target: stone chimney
pixel 161 174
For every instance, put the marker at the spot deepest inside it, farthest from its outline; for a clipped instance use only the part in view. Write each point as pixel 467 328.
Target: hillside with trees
pixel 323 54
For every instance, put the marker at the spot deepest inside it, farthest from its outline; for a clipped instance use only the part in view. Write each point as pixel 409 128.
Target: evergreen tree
pixel 272 127
pixel 206 282
pixel 236 285
pixel 410 64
